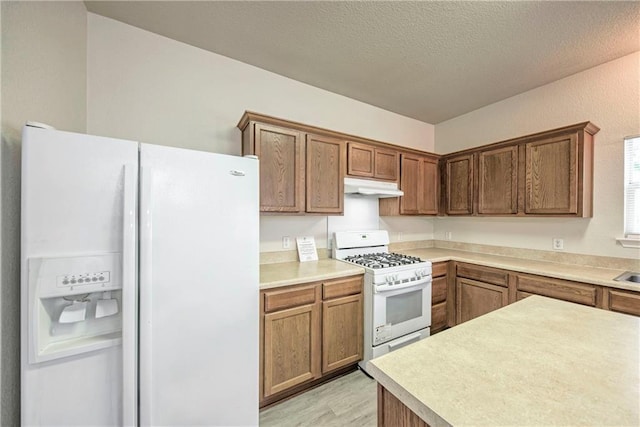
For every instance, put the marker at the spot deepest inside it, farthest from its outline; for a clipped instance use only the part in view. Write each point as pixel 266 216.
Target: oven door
pixel 401 309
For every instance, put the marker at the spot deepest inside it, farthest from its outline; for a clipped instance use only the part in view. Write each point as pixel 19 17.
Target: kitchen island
pixel 535 362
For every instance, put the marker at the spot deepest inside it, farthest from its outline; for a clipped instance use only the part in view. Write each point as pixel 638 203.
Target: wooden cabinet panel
pixel 475 298
pixel 386 164
pixel 286 298
pixel 459 185
pixel 622 301
pixel 393 413
pixel 409 179
pixel 291 348
pixel 342 287
pixel 325 174
pixel 439 269
pixel 438 290
pixel 438 317
pixel 581 293
pixel 372 162
pixel 551 167
pixel 428 194
pixel 498 181
pixel 484 274
pixel 342 339
pixel 360 158
pixel 281 154
pixel 419 180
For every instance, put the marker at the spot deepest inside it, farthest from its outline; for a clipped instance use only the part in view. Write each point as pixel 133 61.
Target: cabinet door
pixel 291 348
pixel 459 185
pixel 498 181
pixel 360 160
pixel 409 183
pixel 581 293
pixel 475 298
pixel 325 174
pixel 281 154
pixel 385 164
pixel 551 176
pixel 342 338
pixel 428 188
pixel 622 301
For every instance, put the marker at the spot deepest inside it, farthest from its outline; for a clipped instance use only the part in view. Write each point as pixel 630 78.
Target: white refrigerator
pixel 139 287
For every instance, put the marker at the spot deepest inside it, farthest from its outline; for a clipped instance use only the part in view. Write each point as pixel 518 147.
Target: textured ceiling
pixel 429 60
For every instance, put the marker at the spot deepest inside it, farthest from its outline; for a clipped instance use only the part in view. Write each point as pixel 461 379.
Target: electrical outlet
pixel 400 236
pixel 447 235
pixel 286 242
pixel 557 244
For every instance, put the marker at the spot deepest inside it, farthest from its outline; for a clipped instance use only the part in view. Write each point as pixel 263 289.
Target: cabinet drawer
pixel 438 317
pixel 624 302
pixel 561 289
pixel 438 290
pixel 483 274
pixel 278 300
pixel 439 269
pixel 341 288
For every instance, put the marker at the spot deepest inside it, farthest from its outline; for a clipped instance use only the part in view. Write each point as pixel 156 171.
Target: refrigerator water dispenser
pixel 74 305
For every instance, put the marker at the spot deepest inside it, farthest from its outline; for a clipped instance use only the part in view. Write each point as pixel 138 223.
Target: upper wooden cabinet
pixel 551 175
pixel 300 172
pixel 281 154
pixel 325 174
pixel 420 182
pixel 368 161
pixel 459 185
pixel 544 174
pixel 498 181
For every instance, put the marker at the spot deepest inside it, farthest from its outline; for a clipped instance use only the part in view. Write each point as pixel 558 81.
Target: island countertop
pixel 539 361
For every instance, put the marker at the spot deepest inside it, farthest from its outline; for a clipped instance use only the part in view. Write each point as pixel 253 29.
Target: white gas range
pixel 397 291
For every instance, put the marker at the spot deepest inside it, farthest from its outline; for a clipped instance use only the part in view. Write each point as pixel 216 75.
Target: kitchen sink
pixel 629 276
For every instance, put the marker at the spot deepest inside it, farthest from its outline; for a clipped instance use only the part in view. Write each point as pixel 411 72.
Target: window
pixel 632 187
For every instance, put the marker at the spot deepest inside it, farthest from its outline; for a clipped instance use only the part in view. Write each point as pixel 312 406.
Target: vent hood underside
pixel 367 187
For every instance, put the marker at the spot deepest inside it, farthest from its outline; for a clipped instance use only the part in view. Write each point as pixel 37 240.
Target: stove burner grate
pixel 383 260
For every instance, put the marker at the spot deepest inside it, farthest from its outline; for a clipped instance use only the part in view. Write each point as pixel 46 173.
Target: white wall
pixel 608 96
pixel 43 79
pixel 153 89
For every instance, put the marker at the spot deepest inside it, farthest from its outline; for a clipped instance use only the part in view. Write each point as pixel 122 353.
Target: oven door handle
pixel 379 289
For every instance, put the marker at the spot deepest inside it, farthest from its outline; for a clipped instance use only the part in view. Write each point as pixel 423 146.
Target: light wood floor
pixel 346 401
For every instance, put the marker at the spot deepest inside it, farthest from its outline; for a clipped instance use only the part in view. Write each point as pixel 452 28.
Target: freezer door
pixel 71 220
pixel 199 292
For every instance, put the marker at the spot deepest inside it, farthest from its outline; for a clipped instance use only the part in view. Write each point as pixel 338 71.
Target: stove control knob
pixel 389 279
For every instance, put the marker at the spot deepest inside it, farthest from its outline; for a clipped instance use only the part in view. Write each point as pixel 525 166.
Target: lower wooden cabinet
pixel 565 290
pixel 476 298
pixel 439 293
pixel 308 332
pixel 291 348
pixel 342 339
pixel 393 413
pixel 622 301
pixel 479 290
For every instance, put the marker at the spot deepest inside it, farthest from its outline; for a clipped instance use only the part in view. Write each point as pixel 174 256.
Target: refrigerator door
pixel 71 257
pixel 199 292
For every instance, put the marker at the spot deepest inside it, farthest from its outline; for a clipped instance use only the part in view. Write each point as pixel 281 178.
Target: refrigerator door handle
pixel 146 244
pixel 129 300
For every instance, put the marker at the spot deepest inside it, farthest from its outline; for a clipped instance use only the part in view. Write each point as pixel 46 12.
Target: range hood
pixel 368 187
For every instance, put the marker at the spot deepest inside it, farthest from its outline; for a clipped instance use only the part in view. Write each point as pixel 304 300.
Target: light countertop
pixel 578 273
pixel 293 273
pixel 539 361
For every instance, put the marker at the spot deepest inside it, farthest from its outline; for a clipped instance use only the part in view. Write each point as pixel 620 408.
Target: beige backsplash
pixel 533 254
pixel 539 255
